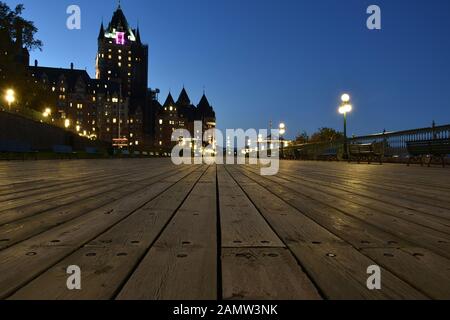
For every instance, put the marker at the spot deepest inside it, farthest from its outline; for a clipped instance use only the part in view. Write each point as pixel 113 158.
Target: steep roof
pixel 204 109
pixel 101 34
pixel 169 101
pixel 119 21
pixel 204 103
pixel 183 99
pixel 53 75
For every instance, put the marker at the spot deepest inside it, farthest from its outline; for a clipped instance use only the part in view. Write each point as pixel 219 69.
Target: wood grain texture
pixel 146 229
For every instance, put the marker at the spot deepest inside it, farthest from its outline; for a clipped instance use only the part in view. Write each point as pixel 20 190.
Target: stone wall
pixel 41 136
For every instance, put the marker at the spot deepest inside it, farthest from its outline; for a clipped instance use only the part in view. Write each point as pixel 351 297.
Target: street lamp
pixel 345 108
pixel 47 112
pixel 10 97
pixel 282 128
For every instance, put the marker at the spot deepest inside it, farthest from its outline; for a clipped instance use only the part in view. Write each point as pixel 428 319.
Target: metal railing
pixel 394 143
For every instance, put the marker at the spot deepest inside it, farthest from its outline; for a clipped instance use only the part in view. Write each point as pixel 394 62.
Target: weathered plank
pixel 23 262
pixel 337 267
pixel 264 274
pixel 182 265
pixel 241 223
pixel 374 229
pixel 107 261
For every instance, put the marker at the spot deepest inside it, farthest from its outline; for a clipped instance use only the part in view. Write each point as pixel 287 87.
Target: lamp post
pixel 345 108
pixel 282 128
pixel 10 97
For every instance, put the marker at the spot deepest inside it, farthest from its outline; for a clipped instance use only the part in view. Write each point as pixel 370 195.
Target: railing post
pixel 433 126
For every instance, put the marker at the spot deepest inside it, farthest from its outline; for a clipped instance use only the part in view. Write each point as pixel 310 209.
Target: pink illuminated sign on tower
pixel 120 38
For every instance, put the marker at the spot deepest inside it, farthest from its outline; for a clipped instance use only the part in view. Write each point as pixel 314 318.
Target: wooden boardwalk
pixel 145 229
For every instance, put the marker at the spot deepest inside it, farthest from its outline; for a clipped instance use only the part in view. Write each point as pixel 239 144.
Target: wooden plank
pixel 409 200
pixel 107 261
pixel 426 271
pixel 25 261
pixel 241 223
pixel 182 265
pixel 360 198
pixel 25 228
pixel 358 225
pixel 61 195
pixel 264 274
pixel 337 267
pixel 393 174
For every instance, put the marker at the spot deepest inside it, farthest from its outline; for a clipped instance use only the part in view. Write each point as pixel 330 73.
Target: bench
pixel 329 155
pixel 64 150
pixel 437 148
pixel 367 151
pixel 12 148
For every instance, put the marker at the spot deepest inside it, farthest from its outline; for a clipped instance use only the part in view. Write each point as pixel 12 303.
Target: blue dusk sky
pixel 279 60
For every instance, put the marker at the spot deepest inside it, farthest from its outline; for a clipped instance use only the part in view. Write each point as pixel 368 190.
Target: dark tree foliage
pixel 302 138
pixel 17 36
pixel 326 135
pixel 13 26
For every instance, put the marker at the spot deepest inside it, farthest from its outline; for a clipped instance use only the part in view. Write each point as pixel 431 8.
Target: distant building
pixel 88 106
pixel 118 103
pixel 182 115
pixel 123 58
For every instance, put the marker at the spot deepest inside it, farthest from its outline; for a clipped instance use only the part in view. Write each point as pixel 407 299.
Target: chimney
pixel 35 63
pixel 71 66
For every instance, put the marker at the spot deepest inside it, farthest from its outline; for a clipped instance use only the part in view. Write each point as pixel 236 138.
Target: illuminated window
pixel 115 100
pixel 160 121
pixel 119 64
pixel 119 57
pixel 114 120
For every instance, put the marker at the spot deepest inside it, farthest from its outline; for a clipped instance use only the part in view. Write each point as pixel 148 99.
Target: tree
pixel 17 36
pixel 326 135
pixel 302 138
pixel 14 28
